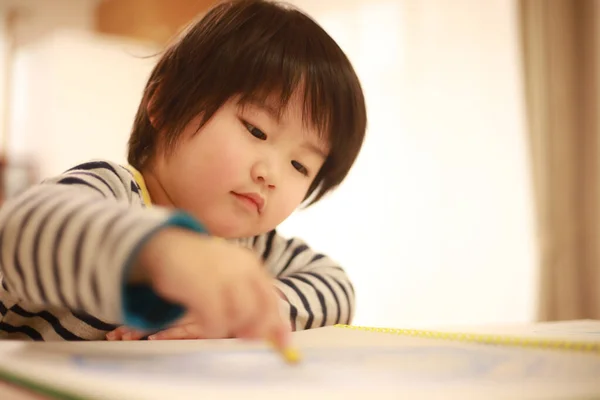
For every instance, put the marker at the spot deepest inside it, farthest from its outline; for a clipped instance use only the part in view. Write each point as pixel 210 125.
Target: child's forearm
pixel 67 246
pixel 318 291
pixel 317 298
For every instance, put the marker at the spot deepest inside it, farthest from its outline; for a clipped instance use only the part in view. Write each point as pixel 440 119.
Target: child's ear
pixel 151 113
pixel 150 109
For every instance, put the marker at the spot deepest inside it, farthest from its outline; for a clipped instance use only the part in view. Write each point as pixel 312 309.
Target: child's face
pixel 244 172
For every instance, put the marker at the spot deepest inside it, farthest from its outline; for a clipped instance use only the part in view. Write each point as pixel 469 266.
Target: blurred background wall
pixel 462 207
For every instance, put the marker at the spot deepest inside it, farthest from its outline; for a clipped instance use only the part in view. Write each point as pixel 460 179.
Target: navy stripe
pixel 269 244
pixel 303 299
pixel 351 287
pixel 94 322
pixel 135 188
pixel 71 180
pixel 88 166
pixel 95 290
pixel 3 308
pixel 19 243
pixel 337 301
pixel 103 236
pixel 5 225
pixel 55 256
pixel 288 244
pixel 317 257
pixel 347 299
pixel 27 330
pixel 36 253
pixel 6 278
pixel 319 296
pixel 293 316
pixel 98 177
pixel 122 233
pixel 51 319
pixel 116 241
pixel 298 250
pixel 78 257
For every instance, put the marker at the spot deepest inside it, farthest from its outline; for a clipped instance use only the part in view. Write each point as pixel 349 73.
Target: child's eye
pixel 257 133
pixel 300 168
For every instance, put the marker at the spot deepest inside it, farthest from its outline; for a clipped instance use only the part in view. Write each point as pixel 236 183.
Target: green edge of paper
pixel 39 388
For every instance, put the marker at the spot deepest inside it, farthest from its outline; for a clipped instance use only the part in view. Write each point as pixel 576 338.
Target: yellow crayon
pixel 290 354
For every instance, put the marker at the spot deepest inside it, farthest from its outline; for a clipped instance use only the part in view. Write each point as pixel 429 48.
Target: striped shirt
pixel 66 245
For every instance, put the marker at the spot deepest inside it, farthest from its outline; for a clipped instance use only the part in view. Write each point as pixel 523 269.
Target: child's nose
pixel 263 175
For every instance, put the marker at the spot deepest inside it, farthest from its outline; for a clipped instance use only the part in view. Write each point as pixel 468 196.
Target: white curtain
pixel 561 60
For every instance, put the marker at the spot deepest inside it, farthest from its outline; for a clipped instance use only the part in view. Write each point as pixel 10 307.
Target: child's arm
pixel 315 290
pixel 318 292
pixel 67 242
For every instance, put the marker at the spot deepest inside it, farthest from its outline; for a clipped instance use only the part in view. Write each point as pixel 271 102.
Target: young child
pixel 253 111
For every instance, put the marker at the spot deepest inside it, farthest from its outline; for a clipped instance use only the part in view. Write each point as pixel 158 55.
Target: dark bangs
pixel 259 51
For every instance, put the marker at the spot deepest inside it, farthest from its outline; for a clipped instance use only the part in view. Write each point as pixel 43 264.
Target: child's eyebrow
pixel 273 112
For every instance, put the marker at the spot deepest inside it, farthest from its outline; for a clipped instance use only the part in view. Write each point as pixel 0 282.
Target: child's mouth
pixel 250 200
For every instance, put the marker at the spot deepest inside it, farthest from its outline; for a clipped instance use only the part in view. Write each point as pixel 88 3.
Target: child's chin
pixel 233 230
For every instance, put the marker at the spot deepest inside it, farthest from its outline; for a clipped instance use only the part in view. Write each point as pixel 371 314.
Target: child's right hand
pixel 223 286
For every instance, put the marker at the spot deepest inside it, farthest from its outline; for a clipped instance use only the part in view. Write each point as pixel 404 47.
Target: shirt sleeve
pixel 70 241
pixel 318 292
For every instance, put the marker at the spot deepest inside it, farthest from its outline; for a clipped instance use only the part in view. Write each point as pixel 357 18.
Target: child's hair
pixel 254 49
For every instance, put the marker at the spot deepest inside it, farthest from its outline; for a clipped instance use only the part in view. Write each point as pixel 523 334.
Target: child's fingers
pixel 281 333
pixel 118 333
pixel 267 321
pixel 277 332
pixel 180 332
pixel 134 335
pixel 276 329
pixel 115 334
pixel 242 306
pixel 125 333
pixel 279 327
pixel 209 310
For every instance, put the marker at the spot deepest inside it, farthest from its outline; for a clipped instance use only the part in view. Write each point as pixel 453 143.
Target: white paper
pixel 338 363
